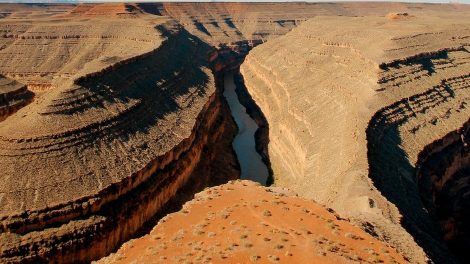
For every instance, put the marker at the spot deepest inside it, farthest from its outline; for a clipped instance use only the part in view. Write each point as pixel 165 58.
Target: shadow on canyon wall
pixel 391 171
pixel 154 81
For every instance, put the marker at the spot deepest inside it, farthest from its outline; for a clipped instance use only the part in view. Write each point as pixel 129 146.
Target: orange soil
pixel 241 222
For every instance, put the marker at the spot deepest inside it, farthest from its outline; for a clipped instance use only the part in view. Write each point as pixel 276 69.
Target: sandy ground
pixel 242 222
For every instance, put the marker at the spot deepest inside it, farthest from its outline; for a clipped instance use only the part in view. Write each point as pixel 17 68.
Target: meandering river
pixel 252 167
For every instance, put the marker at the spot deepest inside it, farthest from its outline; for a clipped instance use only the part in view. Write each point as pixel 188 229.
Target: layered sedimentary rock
pixel 350 109
pixel 127 121
pixel 13 96
pixel 108 10
pixel 45 53
pixel 126 111
pixel 33 11
pixel 241 222
pixel 226 23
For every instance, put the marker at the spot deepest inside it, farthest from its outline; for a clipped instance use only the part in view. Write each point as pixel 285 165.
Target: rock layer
pixel 345 107
pixel 104 151
pixel 13 96
pixel 218 23
pixel 52 51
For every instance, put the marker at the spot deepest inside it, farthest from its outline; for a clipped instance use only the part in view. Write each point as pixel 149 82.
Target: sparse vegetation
pixel 333 248
pixel 279 246
pixel 353 236
pixel 198 231
pixel 254 258
pixel 248 244
pixel 273 258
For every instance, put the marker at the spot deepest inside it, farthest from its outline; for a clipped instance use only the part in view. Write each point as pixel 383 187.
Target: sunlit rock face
pixel 350 110
pixel 219 22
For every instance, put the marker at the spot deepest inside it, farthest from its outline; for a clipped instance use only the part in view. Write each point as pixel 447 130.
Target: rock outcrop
pixel 350 110
pixel 13 96
pixel 241 222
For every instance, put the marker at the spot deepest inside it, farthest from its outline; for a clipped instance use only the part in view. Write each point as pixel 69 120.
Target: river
pixel 252 167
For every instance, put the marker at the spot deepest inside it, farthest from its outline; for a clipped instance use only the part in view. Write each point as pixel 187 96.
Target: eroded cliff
pixel 349 110
pixel 105 150
pixel 13 96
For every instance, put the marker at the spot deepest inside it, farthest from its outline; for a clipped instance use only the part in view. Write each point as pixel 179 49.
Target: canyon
pixel 251 163
pixel 115 116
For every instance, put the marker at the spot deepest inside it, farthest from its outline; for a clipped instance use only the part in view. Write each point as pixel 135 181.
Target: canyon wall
pixel 128 115
pixel 443 180
pixel 102 153
pixel 13 96
pixel 349 111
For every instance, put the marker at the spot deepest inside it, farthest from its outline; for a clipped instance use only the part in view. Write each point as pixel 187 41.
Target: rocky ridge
pixel 241 222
